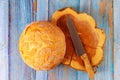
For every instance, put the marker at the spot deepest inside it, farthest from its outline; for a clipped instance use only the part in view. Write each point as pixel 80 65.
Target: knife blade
pixel 75 37
pixel 79 46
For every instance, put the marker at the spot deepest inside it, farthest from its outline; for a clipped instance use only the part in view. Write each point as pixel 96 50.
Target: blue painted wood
pixel 41 15
pixel 116 40
pixel 59 4
pixel 102 12
pixel 4 40
pixel 21 14
pixel 42 10
pixel 85 6
pixel 100 22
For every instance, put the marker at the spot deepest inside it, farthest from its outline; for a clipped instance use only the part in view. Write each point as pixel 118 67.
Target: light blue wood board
pixel 102 12
pixel 41 15
pixel 42 10
pixel 21 14
pixel 116 40
pixel 85 6
pixel 4 40
pixel 59 4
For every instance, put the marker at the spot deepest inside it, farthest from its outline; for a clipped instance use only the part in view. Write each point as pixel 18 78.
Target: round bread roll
pixel 42 45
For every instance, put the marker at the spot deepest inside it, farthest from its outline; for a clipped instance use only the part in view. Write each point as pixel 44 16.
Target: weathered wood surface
pixel 4 40
pixel 16 14
pixel 20 14
pixel 116 40
pixel 102 12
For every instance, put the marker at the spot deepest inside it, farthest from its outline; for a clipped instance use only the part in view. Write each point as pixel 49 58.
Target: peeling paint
pixel 102 8
pixel 35 6
pixel 110 19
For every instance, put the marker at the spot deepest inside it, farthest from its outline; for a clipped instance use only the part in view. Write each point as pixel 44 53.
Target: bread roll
pixel 42 45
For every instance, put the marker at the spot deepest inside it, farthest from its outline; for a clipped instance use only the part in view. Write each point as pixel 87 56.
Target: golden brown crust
pixel 92 37
pixel 42 45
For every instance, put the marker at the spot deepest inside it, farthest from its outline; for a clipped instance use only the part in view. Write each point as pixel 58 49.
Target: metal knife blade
pixel 75 37
pixel 79 47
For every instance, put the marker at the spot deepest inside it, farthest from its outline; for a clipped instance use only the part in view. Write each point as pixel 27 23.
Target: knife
pixel 79 46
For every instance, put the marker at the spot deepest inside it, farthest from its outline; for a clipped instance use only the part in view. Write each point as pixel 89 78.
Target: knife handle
pixel 88 66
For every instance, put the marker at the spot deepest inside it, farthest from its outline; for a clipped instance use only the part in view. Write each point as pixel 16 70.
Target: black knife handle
pixel 88 66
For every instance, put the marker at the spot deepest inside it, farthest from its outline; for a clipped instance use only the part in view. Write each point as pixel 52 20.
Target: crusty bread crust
pixel 42 45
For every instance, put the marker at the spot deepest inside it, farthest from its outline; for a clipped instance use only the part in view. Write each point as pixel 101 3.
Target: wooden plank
pixel 85 6
pixel 3 40
pixel 116 40
pixel 102 12
pixel 62 72
pixel 59 4
pixel 42 10
pixel 20 16
pixel 41 14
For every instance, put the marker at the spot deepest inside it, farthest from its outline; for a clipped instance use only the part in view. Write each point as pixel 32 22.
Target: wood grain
pixel 20 15
pixel 59 4
pixel 42 10
pixel 85 6
pixel 101 12
pixel 3 40
pixel 116 40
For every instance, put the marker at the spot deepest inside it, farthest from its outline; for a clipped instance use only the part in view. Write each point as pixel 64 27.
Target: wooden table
pixel 16 14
